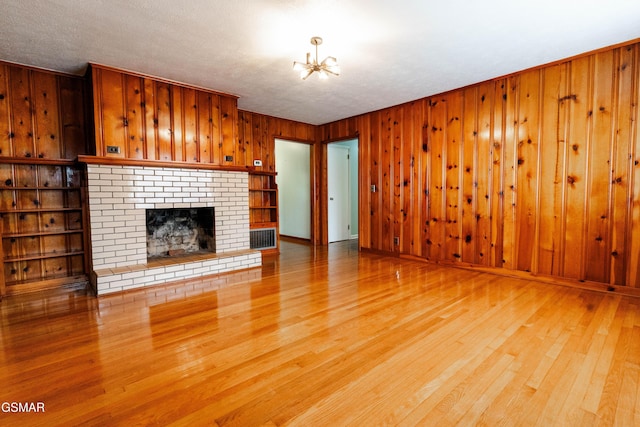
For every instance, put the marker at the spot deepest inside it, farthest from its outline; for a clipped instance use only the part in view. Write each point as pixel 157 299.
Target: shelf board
pixel 263 189
pixel 11 188
pixel 52 281
pixel 43 233
pixel 4 211
pixel 43 256
pixel 37 161
pixel 263 207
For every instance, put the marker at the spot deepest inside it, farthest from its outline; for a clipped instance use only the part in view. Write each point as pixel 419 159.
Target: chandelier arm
pixel 305 76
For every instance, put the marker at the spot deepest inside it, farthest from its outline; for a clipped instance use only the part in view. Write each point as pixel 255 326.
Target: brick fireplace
pixel 120 196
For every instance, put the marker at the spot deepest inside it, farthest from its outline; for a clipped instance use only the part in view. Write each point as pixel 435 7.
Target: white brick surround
pixel 118 199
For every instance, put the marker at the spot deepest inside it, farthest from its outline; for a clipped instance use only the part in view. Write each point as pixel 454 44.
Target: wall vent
pixel 262 238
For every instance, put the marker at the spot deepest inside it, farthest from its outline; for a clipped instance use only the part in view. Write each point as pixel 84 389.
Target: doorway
pixel 293 163
pixel 342 186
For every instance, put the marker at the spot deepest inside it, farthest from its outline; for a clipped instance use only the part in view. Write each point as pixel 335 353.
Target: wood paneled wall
pixel 152 119
pixel 42 114
pixel 42 130
pixel 536 172
pixel 257 134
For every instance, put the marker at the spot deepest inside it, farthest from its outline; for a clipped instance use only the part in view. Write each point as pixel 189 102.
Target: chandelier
pixel 328 66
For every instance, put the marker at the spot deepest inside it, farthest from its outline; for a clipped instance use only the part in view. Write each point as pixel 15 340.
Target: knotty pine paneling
pixel 42 130
pixel 257 134
pixel 534 172
pixel 152 119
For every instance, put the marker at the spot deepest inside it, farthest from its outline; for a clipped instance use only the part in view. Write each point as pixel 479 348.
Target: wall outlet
pixel 113 149
pixel 396 240
pixel 228 158
pixel 257 163
pixel 373 188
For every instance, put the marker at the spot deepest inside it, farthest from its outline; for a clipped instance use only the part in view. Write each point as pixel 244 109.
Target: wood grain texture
pixel 154 119
pixel 325 336
pixel 533 172
pixel 42 129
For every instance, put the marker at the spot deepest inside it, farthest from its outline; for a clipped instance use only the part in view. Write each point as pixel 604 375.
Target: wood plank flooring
pixel 325 336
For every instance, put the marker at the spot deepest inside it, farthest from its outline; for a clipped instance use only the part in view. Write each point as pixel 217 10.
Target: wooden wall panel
pixel 42 114
pixel 134 117
pixel 471 177
pixel 256 134
pixel 437 201
pixel 553 150
pixel 204 135
pixel 622 165
pixel 163 122
pixel 599 170
pixel 22 123
pixel 178 115
pixel 633 225
pixel 452 163
pixel 109 111
pixel 153 119
pixel 150 145
pixel 229 130
pixel 535 172
pixel 374 214
pixel 479 144
pixel 498 135
pixel 6 148
pixel 386 181
pixel 47 120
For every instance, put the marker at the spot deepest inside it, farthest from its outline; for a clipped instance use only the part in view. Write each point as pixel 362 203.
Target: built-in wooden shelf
pixel 263 203
pixel 42 221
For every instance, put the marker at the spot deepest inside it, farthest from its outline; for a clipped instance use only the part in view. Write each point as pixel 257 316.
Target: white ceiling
pixel 390 51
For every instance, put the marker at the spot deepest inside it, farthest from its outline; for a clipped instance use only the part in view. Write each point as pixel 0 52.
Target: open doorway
pixel 293 164
pixel 342 186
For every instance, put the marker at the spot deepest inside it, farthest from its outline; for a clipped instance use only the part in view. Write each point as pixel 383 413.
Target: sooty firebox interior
pixel 175 232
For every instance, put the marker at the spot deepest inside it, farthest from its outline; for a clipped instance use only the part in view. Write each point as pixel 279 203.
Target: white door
pixel 338 186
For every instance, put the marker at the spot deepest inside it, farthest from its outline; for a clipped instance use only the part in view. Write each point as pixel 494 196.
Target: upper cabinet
pixel 138 117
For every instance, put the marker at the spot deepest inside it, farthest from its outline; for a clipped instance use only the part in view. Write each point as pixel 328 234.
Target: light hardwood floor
pixel 325 337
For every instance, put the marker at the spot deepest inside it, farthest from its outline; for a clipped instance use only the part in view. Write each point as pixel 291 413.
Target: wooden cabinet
pixel 42 224
pixel 263 211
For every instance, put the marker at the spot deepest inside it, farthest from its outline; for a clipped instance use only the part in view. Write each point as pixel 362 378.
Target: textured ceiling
pixel 389 51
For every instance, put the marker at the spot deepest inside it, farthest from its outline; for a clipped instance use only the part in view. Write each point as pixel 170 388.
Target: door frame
pixel 324 191
pixel 343 214
pixel 313 193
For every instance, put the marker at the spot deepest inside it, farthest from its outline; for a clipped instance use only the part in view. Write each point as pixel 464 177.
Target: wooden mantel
pixel 115 161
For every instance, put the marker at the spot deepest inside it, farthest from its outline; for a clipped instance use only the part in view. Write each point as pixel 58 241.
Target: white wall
pixel 294 188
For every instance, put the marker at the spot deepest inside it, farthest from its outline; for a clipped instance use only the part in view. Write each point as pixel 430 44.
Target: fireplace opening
pixel 179 232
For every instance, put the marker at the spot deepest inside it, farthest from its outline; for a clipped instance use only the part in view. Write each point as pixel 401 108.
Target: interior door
pixel 338 187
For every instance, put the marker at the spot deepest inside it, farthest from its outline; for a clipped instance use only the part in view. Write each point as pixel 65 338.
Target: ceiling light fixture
pixel 328 66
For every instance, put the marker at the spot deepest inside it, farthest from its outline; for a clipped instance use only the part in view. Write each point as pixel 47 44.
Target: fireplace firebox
pixel 179 232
